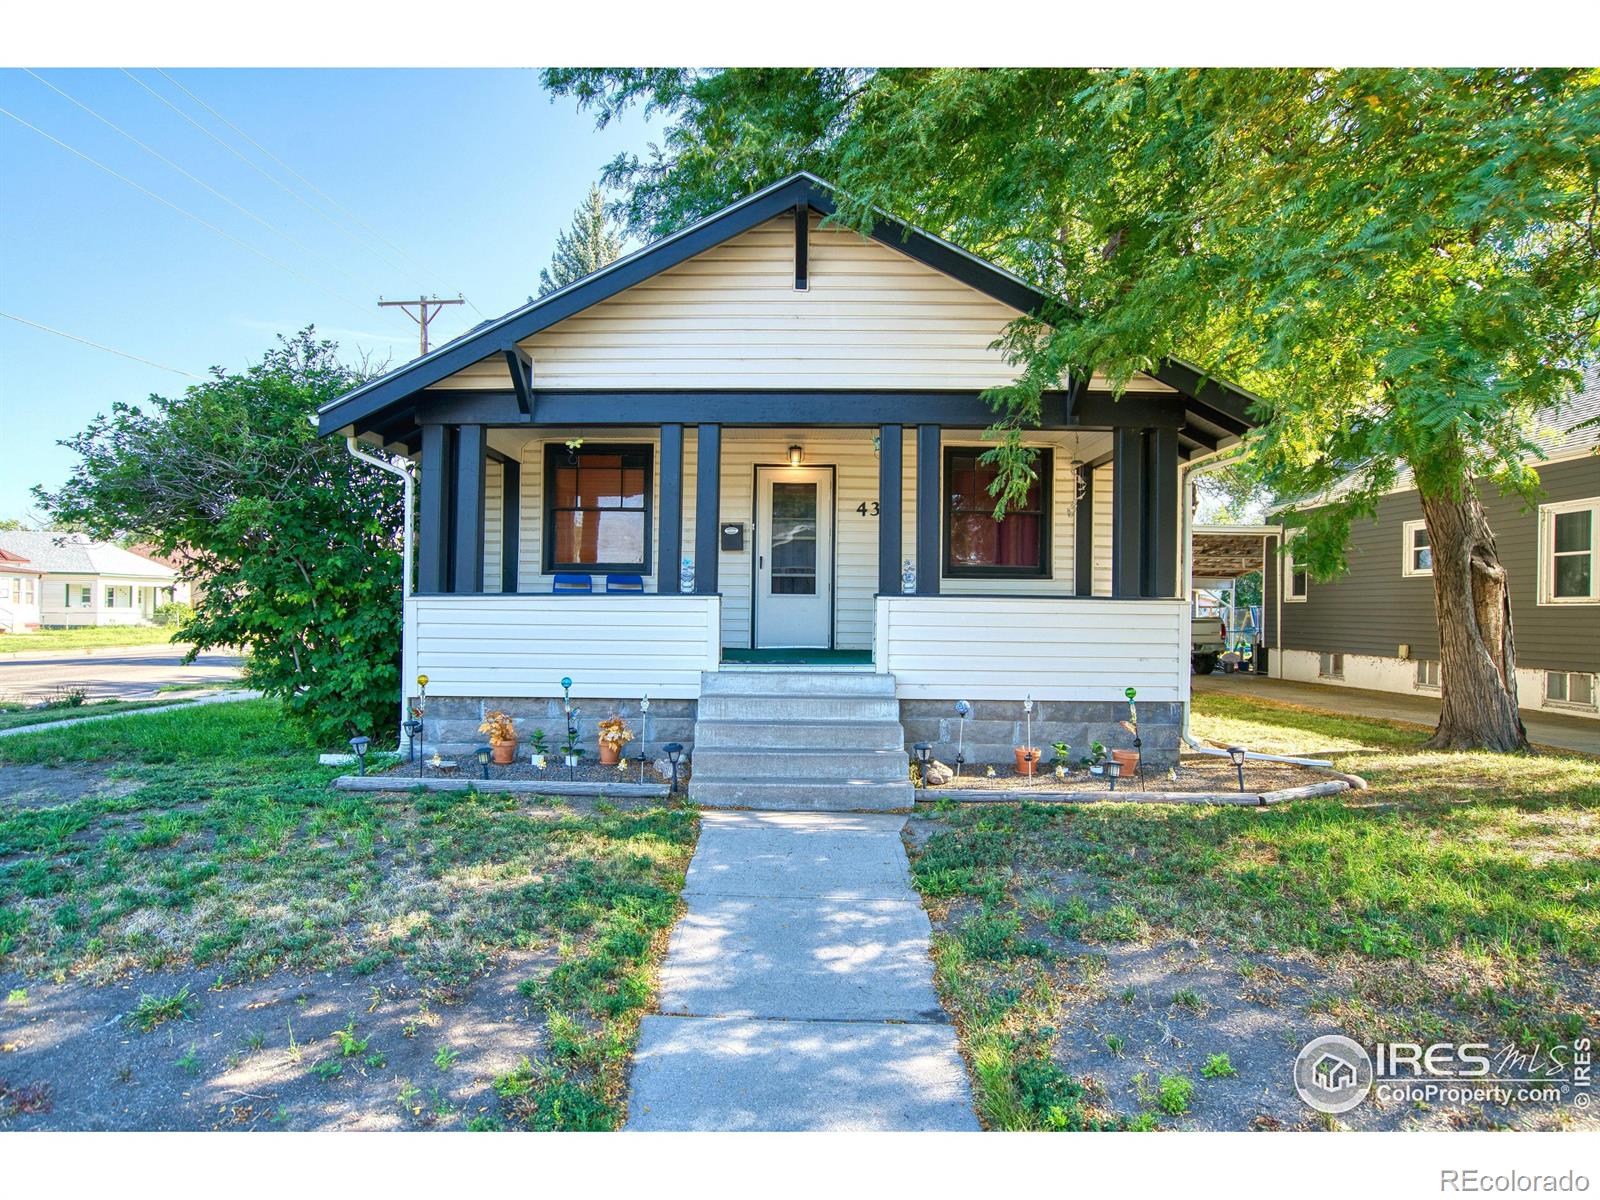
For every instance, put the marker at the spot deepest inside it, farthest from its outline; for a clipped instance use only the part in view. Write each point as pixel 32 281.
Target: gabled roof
pixel 363 404
pixel 76 554
pixel 16 564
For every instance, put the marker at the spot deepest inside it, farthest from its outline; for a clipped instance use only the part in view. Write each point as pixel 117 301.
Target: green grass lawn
pixel 1479 870
pixel 87 637
pixel 224 848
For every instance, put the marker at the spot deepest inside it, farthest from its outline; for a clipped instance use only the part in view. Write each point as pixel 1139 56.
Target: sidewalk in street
pixel 52 726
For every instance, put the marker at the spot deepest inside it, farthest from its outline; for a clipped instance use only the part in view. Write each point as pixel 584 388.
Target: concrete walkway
pixel 1544 729
pixel 797 993
pixel 52 726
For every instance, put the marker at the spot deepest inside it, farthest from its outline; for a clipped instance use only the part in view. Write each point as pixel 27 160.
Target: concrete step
pixel 807 709
pixel 800 735
pixel 803 797
pixel 796 683
pixel 799 766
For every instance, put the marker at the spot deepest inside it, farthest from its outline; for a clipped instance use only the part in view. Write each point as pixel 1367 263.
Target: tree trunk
pixel 1477 654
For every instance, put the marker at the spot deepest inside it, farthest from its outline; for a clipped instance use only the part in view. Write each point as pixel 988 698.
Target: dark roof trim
pixel 505 332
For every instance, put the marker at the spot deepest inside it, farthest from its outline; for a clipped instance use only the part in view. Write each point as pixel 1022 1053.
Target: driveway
pixel 135 673
pixel 1545 729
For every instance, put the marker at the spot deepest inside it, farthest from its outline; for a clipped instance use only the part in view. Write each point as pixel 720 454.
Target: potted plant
pixel 1027 759
pixel 538 753
pixel 614 735
pixel 502 733
pixel 1095 760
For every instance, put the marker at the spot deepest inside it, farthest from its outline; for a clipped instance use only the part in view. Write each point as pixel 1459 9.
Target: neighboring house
pixel 181 562
pixel 1374 627
pixel 768 431
pixel 85 582
pixel 19 593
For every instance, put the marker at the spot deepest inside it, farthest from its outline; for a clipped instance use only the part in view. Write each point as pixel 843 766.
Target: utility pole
pixel 427 309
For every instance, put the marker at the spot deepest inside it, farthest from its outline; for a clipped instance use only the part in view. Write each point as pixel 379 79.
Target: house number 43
pixel 868 509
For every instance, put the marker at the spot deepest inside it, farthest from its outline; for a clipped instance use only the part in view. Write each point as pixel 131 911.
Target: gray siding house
pixel 1374 627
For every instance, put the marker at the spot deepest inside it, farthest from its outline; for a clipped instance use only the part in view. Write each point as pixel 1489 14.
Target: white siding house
pixel 84 582
pixel 773 427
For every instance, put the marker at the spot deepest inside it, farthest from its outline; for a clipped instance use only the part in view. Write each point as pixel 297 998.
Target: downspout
pixel 1187 474
pixel 394 468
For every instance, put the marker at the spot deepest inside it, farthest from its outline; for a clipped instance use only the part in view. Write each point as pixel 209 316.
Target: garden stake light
pixel 674 751
pixel 483 759
pixel 1113 769
pixel 412 727
pixel 924 753
pixel 359 745
pixel 644 732
pixel 1029 754
pixel 963 711
pixel 1236 753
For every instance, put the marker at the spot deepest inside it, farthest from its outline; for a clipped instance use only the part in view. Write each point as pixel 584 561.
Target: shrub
pixel 174 612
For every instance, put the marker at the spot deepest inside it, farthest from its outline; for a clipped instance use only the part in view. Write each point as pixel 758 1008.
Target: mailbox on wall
pixel 733 535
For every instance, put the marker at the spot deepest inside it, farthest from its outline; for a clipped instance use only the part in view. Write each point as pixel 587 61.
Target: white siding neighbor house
pixel 741 472
pixel 84 582
pixel 19 593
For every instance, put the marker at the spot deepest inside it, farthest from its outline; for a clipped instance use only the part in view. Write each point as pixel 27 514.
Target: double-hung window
pixel 1418 553
pixel 978 546
pixel 1296 580
pixel 1569 537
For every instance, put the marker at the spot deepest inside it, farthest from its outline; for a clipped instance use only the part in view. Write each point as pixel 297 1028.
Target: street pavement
pixel 133 673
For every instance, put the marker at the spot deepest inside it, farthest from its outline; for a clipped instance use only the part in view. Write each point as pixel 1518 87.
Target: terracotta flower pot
pixel 609 754
pixel 504 753
pixel 1128 760
pixel 1027 759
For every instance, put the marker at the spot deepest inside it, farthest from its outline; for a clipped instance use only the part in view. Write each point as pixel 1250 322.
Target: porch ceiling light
pixel 359 745
pixel 795 455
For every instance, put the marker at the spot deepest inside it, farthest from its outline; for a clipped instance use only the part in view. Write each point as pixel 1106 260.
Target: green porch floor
pixel 810 658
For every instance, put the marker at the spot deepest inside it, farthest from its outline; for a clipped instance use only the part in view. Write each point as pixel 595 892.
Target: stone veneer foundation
pixel 450 723
pixel 996 726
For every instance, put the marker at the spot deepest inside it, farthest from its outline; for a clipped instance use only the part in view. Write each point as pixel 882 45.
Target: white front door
pixel 794 557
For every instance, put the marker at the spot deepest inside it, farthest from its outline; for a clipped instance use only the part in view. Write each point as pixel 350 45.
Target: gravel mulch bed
pixel 590 771
pixel 1194 773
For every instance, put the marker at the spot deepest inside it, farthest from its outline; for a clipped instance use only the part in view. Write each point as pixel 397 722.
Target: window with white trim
pixel 1296 582
pixel 1330 665
pixel 1569 537
pixel 1428 674
pixel 1418 553
pixel 1571 689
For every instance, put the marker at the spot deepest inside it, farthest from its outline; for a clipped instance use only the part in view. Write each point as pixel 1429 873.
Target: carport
pixel 1221 555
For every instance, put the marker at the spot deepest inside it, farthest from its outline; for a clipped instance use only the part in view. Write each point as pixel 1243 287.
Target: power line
pixel 262 221
pixel 108 349
pixel 271 178
pixel 139 187
pixel 341 208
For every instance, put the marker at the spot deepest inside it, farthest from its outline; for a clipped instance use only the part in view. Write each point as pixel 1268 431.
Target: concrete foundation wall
pixel 996 726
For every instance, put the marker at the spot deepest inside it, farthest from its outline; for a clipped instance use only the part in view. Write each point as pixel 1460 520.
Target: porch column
pixel 889 487
pixel 510 522
pixel 1083 535
pixel 1162 514
pixel 467 546
pixel 1127 511
pixel 930 508
pixel 669 512
pixel 707 508
pixel 433 533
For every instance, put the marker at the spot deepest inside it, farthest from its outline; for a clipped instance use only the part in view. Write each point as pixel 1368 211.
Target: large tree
pixel 298 544
pixel 589 243
pixel 1404 263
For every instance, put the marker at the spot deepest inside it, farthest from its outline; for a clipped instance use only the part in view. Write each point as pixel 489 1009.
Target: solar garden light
pixel 1030 755
pixel 1113 769
pixel 644 732
pixel 924 753
pixel 963 711
pixel 483 753
pixel 1237 753
pixel 359 745
pixel 674 752
pixel 412 727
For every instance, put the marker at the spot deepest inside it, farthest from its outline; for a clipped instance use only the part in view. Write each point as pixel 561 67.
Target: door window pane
pixel 794 539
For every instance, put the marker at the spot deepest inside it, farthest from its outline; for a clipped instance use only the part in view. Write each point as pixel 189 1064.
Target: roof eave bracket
pixel 521 368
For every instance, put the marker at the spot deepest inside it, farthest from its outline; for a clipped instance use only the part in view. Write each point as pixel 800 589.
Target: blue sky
pixel 441 180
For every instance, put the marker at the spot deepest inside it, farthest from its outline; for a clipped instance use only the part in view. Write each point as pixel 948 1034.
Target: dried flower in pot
pixel 614 735
pixel 502 734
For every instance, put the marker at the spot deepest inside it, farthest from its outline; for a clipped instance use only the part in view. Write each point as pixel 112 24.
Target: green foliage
pixel 1217 1066
pixel 590 243
pixel 174 612
pixel 299 542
